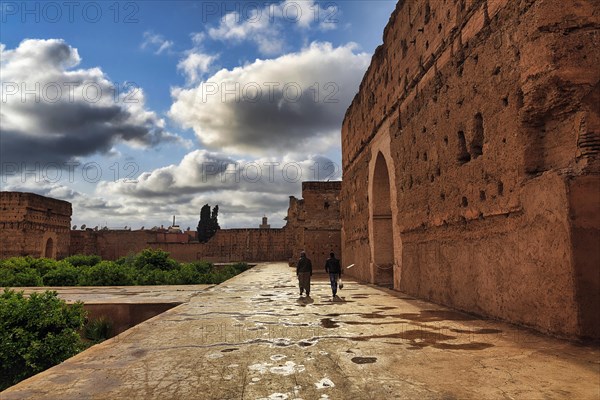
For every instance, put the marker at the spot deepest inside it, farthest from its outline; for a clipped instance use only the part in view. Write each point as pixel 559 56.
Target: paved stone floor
pixel 254 338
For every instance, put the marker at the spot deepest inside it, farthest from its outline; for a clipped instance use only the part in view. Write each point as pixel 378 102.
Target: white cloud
pixel 245 189
pixel 196 62
pixel 292 103
pixel 52 112
pixel 265 26
pixel 156 42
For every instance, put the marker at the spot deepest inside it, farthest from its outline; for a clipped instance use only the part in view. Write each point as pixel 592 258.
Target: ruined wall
pixel 228 245
pixel 485 116
pixel 33 225
pixel 313 224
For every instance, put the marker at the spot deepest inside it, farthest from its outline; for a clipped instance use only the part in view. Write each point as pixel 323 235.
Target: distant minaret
pixel 174 228
pixel 264 224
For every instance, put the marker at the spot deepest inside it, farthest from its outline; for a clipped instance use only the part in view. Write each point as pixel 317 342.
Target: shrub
pixel 27 277
pixel 36 333
pixel 202 267
pixel 98 330
pixel 80 260
pixel 7 277
pixel 150 259
pixel 150 267
pixel 107 273
pixel 64 275
pixel 157 277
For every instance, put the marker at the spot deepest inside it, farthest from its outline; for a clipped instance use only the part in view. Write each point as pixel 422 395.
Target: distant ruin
pixel 34 225
pixel 29 222
pixel 470 161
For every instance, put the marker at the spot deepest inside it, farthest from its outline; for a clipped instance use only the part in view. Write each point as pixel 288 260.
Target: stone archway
pixel 49 245
pixel 382 224
pixel 49 248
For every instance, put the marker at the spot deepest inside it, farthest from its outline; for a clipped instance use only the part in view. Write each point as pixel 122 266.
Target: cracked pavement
pixel 252 337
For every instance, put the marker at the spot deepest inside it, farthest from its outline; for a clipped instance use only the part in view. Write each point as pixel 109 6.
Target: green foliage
pixel 36 333
pixel 27 277
pixel 151 259
pixel 108 273
pixel 64 275
pixel 98 330
pixel 80 260
pixel 150 267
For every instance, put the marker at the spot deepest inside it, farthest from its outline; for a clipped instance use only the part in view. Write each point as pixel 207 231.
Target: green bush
pixel 36 333
pixel 151 259
pixel 107 273
pixel 7 277
pixel 80 260
pixel 150 267
pixel 98 330
pixel 64 275
pixel 27 277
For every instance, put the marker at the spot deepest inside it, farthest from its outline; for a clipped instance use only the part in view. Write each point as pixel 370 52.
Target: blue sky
pixel 211 93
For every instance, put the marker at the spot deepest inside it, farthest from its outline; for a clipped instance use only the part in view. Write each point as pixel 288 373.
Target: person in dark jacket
pixel 304 272
pixel 334 269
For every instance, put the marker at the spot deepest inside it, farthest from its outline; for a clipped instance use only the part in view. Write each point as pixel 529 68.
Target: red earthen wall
pixel 313 225
pixel 486 114
pixel 33 225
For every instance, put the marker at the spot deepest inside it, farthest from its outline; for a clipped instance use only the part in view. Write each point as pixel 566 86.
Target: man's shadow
pixel 305 300
pixel 338 299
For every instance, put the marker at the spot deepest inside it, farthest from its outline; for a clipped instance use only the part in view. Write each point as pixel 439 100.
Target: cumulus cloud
pixel 245 189
pixel 202 171
pixel 290 103
pixel 156 43
pixel 264 26
pixel 52 112
pixel 196 62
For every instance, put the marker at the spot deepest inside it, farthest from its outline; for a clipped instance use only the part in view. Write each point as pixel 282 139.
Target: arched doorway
pixel 49 252
pixel 383 237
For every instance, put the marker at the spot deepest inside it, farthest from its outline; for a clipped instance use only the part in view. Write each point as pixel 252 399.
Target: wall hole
pixel 477 142
pixel 463 155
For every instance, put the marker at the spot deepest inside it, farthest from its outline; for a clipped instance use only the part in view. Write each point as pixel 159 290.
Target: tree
pixel 208 224
pixel 36 332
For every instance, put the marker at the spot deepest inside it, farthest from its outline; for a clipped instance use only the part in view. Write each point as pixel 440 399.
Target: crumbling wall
pixel 251 245
pixel 314 224
pixel 33 225
pixel 490 111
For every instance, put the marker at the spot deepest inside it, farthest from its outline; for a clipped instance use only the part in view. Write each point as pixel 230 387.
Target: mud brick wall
pixel 33 225
pixel 482 117
pixel 230 245
pixel 313 224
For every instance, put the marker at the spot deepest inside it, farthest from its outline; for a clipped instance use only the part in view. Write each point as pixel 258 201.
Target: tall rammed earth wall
pixel 313 224
pixel 34 225
pixel 470 159
pixel 227 245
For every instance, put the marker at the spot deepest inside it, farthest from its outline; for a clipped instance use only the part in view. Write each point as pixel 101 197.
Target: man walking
pixel 304 272
pixel 334 269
